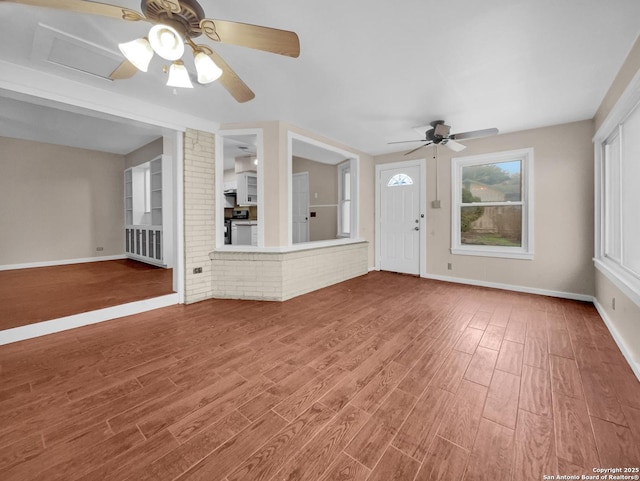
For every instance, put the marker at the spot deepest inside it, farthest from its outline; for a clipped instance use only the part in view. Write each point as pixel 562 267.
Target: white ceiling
pixel 370 71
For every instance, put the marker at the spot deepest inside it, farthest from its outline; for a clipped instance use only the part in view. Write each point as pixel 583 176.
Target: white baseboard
pixel 77 320
pixel 622 345
pixel 510 287
pixel 30 265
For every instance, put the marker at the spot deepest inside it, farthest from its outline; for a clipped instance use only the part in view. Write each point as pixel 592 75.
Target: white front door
pixel 400 219
pixel 300 207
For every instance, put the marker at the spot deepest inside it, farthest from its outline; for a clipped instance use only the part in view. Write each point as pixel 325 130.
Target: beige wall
pixel 58 203
pixel 144 154
pixel 323 197
pixel 624 320
pixel 628 70
pixel 563 212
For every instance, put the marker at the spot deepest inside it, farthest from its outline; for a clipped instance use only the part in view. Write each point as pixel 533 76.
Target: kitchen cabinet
pixel 247 188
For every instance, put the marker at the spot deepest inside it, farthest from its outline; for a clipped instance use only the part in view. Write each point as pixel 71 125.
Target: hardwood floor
pixel 33 295
pixel 384 377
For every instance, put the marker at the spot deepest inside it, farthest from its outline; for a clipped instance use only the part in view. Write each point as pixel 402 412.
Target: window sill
pixel 627 283
pixel 484 252
pixel 293 248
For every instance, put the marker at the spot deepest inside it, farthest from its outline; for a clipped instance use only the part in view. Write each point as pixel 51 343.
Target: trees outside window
pixel 492 205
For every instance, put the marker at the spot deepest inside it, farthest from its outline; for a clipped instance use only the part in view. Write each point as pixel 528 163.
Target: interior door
pixel 300 207
pixel 400 219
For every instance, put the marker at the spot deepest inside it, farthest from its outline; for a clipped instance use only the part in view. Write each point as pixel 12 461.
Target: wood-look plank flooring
pixel 39 294
pixel 384 377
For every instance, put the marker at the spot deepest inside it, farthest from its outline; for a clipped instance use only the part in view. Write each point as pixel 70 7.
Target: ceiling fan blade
pixel 453 145
pixel 84 6
pixel 123 71
pixel 414 150
pixel 406 141
pixel 474 134
pixel 229 79
pixel 282 42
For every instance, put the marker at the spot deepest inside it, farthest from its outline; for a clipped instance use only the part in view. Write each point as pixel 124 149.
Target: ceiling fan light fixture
pixel 166 42
pixel 179 76
pixel 138 52
pixel 207 69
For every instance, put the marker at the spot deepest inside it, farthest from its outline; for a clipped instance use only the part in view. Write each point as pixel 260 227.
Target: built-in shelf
pixel 143 212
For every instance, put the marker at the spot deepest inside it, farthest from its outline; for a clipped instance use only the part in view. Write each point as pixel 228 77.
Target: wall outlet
pixel 435 204
pixel 449 266
pixel 99 249
pixel 197 270
pixel 613 303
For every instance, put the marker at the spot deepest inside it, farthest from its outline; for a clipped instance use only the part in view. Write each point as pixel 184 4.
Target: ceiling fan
pixel 174 23
pixel 439 135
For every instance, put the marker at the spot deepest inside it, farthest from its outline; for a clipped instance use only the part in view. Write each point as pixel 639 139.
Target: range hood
pixel 246 163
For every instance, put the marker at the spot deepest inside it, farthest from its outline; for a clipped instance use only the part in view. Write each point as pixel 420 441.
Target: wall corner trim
pixel 63 262
pixel 84 319
pixel 635 365
pixel 510 287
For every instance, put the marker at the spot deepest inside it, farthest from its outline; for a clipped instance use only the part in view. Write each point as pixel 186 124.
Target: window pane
pixel 491 226
pixel 630 179
pixel 346 217
pixel 346 184
pixel 400 179
pixel 498 182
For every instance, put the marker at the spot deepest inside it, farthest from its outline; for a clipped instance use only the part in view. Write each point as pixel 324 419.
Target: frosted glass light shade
pixel 207 69
pixel 179 76
pixel 138 52
pixel 166 42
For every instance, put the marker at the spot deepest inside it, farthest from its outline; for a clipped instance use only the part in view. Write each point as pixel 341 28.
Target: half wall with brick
pixel 278 276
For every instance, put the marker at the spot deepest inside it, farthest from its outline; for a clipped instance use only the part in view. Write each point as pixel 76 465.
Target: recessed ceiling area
pixel 238 146
pixel 314 152
pixel 29 118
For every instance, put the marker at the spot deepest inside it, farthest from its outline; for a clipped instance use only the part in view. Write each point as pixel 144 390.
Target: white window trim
pixel 628 283
pixel 526 250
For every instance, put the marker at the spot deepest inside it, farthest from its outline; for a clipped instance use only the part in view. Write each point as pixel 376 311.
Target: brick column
pixel 199 210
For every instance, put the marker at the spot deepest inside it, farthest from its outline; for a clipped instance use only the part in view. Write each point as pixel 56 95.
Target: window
pixel 344 201
pixel 399 179
pixel 492 211
pixel 620 175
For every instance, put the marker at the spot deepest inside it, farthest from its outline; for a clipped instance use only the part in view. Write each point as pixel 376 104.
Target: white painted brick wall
pixel 199 208
pixel 282 276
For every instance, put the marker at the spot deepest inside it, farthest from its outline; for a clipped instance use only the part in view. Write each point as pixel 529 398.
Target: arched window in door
pixel 399 179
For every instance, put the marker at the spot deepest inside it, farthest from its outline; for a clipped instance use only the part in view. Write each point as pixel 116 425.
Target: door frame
pixel 422 165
